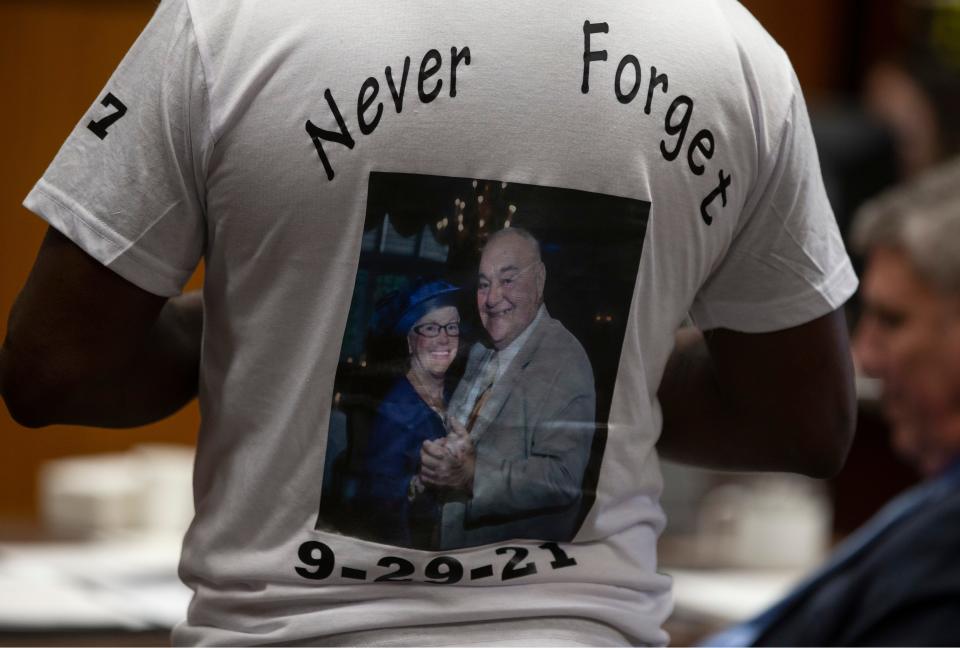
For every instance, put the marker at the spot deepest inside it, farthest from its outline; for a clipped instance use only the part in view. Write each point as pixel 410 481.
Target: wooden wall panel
pixel 811 32
pixel 56 57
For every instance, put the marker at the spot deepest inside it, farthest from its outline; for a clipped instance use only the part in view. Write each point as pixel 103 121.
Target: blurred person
pixel 896 580
pixel 898 100
pixel 916 91
pixel 527 406
pixel 908 334
pixel 400 509
pixel 228 133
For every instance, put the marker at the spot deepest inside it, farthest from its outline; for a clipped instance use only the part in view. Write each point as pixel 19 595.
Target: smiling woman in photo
pixel 401 511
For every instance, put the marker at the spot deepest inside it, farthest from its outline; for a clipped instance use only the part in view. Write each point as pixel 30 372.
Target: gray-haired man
pixel 524 413
pixel 896 581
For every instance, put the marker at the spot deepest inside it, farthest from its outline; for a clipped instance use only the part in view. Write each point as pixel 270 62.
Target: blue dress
pixel 404 421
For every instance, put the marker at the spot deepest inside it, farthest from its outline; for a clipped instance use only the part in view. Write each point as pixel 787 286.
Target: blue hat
pixel 400 311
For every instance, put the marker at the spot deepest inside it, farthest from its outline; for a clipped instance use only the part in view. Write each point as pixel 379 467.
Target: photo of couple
pixel 467 412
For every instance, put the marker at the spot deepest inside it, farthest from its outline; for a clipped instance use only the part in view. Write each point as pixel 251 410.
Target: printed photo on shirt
pixel 478 362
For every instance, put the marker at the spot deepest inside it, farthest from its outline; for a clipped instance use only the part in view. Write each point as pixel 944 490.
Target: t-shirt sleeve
pixel 787 264
pixel 127 185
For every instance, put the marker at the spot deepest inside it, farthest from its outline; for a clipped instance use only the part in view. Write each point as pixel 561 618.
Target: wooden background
pixel 56 57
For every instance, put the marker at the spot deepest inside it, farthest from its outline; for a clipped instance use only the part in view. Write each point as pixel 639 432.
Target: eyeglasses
pixel 432 329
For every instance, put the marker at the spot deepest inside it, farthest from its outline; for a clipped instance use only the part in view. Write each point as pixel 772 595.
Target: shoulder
pixel 912 592
pixel 477 352
pixel 922 552
pixel 475 357
pixel 943 514
pixel 558 350
pixel 765 71
pixel 761 57
pixel 401 390
pixel 931 536
pixel 557 337
pixel 402 405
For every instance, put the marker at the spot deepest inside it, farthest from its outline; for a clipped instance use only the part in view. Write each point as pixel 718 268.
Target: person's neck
pixel 429 386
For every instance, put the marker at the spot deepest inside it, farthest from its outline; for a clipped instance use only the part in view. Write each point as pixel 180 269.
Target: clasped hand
pixel 449 462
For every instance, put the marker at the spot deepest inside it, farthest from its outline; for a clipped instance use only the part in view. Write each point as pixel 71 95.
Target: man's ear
pixel 541 278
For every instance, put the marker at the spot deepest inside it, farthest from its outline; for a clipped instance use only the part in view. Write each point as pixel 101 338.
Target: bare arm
pixel 85 346
pixel 781 401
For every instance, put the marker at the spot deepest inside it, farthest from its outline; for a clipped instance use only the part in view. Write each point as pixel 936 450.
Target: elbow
pixel 24 409
pixel 25 415
pixel 831 457
pixel 24 403
pixel 23 391
pixel 832 436
pixel 829 415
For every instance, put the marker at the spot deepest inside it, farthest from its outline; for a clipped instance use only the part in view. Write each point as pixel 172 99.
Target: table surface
pixel 82 588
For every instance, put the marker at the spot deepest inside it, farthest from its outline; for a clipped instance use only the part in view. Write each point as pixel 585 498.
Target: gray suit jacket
pixel 533 438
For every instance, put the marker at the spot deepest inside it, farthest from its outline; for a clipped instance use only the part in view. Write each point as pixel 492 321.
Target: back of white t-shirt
pixel 329 160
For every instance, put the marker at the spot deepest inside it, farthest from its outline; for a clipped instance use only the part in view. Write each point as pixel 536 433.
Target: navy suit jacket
pixel 904 590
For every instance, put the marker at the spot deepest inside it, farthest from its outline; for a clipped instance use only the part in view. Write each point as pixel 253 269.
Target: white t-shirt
pixel 679 178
